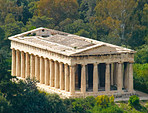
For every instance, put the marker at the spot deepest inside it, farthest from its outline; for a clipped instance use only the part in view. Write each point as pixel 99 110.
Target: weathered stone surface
pixel 72 66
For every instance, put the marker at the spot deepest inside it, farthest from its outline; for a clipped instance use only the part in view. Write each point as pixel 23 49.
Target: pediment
pixel 98 50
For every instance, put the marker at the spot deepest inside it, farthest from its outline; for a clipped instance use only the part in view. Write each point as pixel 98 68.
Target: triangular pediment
pixel 97 50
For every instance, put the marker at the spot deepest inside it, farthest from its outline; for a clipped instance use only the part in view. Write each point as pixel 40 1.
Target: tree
pixel 8 6
pixel 5 106
pixel 59 10
pixel 114 18
pixel 86 9
pixel 38 21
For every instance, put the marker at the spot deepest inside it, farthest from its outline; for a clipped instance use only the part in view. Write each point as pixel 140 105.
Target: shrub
pixel 55 104
pixel 5 106
pixel 102 101
pixel 111 99
pixel 77 105
pixel 141 77
pixel 68 103
pixel 81 105
pixel 109 109
pixel 134 101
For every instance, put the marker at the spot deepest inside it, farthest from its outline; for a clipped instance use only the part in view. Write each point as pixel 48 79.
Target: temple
pixel 71 65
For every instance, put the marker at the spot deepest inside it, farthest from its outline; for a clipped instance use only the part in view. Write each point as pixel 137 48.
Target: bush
pixel 68 103
pixel 5 106
pixel 26 98
pixel 81 105
pixel 141 77
pixel 102 101
pixel 109 109
pixel 134 101
pixel 55 104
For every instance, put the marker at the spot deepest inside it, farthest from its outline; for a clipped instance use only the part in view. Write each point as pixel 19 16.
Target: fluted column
pixel 126 76
pixel 22 65
pixel 37 68
pixel 66 78
pixel 120 77
pixel 61 76
pixel 51 73
pixel 115 73
pixel 18 64
pixel 27 65
pixel 130 77
pixel 13 73
pixel 32 66
pixel 72 80
pixel 47 76
pixel 83 79
pixel 95 78
pixel 112 74
pixel 56 74
pixel 42 71
pixel 107 78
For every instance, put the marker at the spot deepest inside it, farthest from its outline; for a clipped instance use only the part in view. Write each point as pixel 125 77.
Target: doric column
pixel 32 66
pixel 27 65
pixel 22 65
pixel 107 78
pixel 83 79
pixel 61 76
pixel 112 74
pixel 47 76
pixel 95 78
pixel 51 73
pixel 18 64
pixel 13 73
pixel 37 68
pixel 42 71
pixel 56 74
pixel 130 77
pixel 115 73
pixel 66 78
pixel 72 80
pixel 126 76
pixel 120 77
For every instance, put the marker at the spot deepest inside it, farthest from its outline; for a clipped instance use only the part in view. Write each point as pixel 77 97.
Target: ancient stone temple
pixel 71 65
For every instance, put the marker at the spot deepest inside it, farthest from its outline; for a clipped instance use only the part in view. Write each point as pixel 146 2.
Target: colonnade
pixel 113 75
pixel 62 76
pixel 46 71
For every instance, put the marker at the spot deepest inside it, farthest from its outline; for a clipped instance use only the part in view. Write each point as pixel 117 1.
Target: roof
pixel 66 44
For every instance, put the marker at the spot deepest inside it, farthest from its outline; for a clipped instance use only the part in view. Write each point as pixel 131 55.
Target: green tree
pixel 42 21
pixel 8 6
pixel 59 10
pixel 5 106
pixel 113 17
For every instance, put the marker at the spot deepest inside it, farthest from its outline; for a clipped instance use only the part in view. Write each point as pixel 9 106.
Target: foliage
pixel 59 10
pixel 142 55
pixel 81 105
pixel 5 106
pixel 134 101
pixel 111 99
pixel 102 101
pixel 42 21
pixel 109 109
pixel 141 77
pixel 55 104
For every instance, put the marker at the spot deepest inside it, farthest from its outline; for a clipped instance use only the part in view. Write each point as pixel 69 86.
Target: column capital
pixel 61 63
pixel 84 64
pixel 72 65
pixel 131 62
pixel 95 63
pixel 120 62
pixel 107 63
